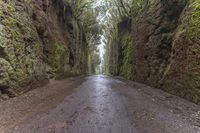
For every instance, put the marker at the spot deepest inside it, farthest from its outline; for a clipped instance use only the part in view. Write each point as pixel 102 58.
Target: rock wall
pixel 168 50
pixel 165 47
pixel 39 39
pixel 126 49
pixel 120 51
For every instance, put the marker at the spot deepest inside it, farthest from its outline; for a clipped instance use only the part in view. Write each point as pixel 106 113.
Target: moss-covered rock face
pixel 168 48
pixel 121 51
pixel 126 50
pixel 182 77
pixel 127 69
pixel 162 49
pixel 194 24
pixel 37 41
pixel 21 50
pixel 184 72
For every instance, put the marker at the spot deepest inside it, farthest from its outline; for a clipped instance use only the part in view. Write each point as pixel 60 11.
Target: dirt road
pixel 98 104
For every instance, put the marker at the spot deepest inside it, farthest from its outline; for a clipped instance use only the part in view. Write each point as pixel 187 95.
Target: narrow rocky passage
pixel 98 104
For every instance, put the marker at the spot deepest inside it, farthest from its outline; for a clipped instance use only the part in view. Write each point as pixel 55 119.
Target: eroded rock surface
pixel 162 49
pixel 171 45
pixel 38 39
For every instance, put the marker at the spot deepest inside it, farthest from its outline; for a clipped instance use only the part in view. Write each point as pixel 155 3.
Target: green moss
pixel 12 28
pixel 6 14
pixel 5 68
pixel 193 33
pixel 57 51
pixel 17 36
pixel 29 63
pixel 127 69
pixel 9 21
pixel 194 29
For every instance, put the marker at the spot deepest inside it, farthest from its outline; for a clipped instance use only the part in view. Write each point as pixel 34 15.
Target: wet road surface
pixel 98 104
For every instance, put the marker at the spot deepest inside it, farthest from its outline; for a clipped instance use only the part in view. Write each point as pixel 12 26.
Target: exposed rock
pixel 126 49
pixel 168 57
pixel 166 46
pixel 36 44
